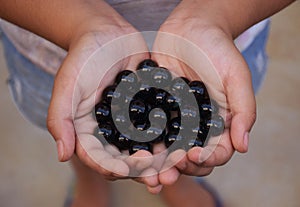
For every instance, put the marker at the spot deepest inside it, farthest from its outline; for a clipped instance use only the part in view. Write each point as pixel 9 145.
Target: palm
pixel 90 66
pixel 208 54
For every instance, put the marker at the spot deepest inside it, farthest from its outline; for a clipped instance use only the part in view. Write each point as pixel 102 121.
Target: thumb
pixel 60 118
pixel 242 104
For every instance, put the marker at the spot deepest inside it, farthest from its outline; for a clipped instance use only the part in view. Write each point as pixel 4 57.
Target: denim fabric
pixel 31 86
pixel 257 59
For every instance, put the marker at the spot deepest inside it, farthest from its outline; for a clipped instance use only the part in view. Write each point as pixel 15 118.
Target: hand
pixel 94 58
pixel 191 43
pixel 211 25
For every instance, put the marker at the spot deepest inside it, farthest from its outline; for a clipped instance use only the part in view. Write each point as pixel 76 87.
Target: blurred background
pixel 268 175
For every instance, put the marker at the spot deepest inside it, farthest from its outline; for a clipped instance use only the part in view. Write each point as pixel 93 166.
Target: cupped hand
pixel 200 49
pixel 93 61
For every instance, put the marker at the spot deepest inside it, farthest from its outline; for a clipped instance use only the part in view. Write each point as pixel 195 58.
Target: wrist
pixel 232 16
pixel 110 25
pixel 95 17
pixel 204 14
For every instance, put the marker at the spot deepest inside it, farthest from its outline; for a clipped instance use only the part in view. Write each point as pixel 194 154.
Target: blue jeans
pixel 31 87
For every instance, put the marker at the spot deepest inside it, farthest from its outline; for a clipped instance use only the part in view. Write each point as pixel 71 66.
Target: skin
pixel 212 26
pixel 88 25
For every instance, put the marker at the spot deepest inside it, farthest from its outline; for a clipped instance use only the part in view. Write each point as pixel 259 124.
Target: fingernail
pixel 246 140
pixel 60 149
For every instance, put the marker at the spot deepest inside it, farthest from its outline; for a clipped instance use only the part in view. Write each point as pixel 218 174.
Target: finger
pixel 155 190
pixel 148 177
pixel 195 170
pixel 139 161
pixel 188 167
pixel 112 150
pixel 160 154
pixel 218 151
pixel 60 118
pixel 61 111
pixel 242 104
pixel 169 176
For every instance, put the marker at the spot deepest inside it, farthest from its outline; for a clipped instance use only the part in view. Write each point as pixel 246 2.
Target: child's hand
pixel 103 48
pixel 89 67
pixel 208 49
pixel 85 28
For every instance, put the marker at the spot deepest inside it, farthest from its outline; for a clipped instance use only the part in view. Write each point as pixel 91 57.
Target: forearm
pixel 233 16
pixel 57 20
pixel 246 13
